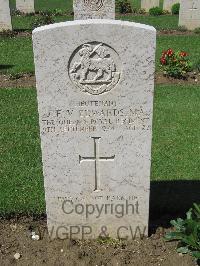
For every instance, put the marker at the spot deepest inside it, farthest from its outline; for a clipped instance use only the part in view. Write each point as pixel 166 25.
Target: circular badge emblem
pixel 94 68
pixel 94 5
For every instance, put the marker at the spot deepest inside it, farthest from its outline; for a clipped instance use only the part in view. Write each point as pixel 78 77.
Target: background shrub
pixel 123 6
pixel 58 12
pixel 175 9
pixel 182 28
pixel 175 64
pixel 187 232
pixel 155 11
pixel 197 66
pixel 141 11
pixel 197 31
pixel 165 12
pixel 46 18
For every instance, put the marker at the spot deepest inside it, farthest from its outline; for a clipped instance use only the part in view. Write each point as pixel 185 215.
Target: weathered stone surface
pixel 147 4
pixel 25 6
pixel 167 4
pixel 5 18
pixel 90 9
pixel 95 82
pixel 189 15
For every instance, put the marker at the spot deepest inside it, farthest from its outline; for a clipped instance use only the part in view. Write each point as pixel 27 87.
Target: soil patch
pixel 27 80
pixel 16 238
pixel 28 33
pixel 192 79
pixel 24 81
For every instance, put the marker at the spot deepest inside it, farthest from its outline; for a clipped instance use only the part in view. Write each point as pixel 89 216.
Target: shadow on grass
pixel 16 31
pixel 3 67
pixel 171 199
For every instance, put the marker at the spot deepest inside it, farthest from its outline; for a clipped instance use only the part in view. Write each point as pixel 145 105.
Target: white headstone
pixel 147 4
pixel 95 83
pixel 167 4
pixel 5 18
pixel 189 15
pixel 90 9
pixel 25 6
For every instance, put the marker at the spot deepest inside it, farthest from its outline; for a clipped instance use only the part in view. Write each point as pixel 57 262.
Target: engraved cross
pixel 96 159
pixel 193 8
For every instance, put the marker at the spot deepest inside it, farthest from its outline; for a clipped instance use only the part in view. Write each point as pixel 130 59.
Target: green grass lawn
pixel 21 179
pixel 43 5
pixel 62 4
pixel 25 22
pixel 164 22
pixel 175 155
pixel 176 142
pixel 17 52
pixel 66 4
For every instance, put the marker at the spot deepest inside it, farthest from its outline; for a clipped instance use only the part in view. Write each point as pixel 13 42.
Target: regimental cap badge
pixel 95 68
pixel 94 5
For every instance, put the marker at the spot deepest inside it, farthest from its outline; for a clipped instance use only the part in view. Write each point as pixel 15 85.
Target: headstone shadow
pixel 3 67
pixel 171 199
